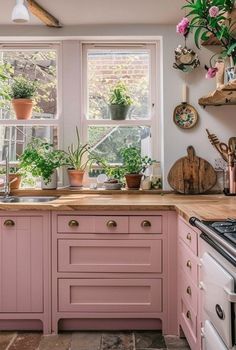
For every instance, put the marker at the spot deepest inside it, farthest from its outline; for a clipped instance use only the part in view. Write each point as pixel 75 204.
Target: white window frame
pixel 153 122
pixel 57 121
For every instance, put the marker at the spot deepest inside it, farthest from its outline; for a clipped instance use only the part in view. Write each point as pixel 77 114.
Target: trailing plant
pixel 79 156
pixel 41 159
pixel 120 96
pixel 133 162
pixel 23 88
pixel 210 17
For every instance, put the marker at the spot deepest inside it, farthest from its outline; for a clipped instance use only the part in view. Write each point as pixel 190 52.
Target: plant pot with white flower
pixel 22 92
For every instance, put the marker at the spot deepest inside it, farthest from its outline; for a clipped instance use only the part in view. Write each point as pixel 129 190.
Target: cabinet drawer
pixel 189 318
pixel 188 235
pixel 110 255
pixel 188 290
pixel 110 295
pixel 75 224
pixel 188 262
pixel 145 224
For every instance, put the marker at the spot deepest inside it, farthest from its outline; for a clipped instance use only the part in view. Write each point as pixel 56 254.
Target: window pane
pixel 18 136
pixel 40 65
pixel 107 141
pixel 108 67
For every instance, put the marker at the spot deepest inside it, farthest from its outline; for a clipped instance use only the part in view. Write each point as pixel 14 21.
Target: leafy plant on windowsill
pixel 133 162
pixel 120 96
pixel 206 18
pixel 23 88
pixel 41 159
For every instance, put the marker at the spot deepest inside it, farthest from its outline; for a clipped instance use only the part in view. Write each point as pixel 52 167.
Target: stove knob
pixel 220 313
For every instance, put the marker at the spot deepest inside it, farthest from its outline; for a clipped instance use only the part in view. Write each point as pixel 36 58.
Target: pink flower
pixel 183 26
pixel 213 11
pixel 211 72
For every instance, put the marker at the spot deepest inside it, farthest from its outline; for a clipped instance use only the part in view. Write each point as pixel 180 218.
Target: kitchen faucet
pixel 6 190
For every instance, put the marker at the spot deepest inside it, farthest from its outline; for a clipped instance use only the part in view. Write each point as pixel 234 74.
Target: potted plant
pixel 119 102
pixel 41 159
pixel 14 178
pixel 208 19
pixel 22 91
pixel 115 176
pixel 77 159
pixel 134 165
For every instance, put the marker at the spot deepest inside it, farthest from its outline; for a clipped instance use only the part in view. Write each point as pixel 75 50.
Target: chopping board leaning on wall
pixel 192 174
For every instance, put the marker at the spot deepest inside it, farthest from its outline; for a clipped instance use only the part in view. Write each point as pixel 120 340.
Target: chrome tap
pixel 7 190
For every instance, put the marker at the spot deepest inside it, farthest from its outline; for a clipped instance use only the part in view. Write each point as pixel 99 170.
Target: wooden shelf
pixel 222 96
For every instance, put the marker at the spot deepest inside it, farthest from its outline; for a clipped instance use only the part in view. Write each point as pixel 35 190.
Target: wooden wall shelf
pixel 224 95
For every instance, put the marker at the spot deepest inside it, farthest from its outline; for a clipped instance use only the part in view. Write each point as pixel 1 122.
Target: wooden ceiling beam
pixel 42 14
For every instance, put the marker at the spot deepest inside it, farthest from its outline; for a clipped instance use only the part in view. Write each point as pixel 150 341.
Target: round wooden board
pixel 192 174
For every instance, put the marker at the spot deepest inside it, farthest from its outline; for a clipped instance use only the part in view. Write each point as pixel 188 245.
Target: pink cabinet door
pixel 110 295
pixel 109 255
pixel 21 264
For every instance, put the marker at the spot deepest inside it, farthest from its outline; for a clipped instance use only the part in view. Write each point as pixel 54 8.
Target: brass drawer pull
pixel 188 315
pixel 189 291
pixel 73 223
pixel 146 223
pixel 189 264
pixel 9 223
pixel 189 237
pixel 111 224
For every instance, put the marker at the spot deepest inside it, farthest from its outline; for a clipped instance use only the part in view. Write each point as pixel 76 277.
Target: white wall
pixel 220 120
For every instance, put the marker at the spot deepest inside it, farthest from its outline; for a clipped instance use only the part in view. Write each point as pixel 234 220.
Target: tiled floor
pixel 91 341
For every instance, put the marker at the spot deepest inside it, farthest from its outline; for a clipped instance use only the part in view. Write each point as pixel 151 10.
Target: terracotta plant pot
pixel 75 177
pixel 23 108
pixel 133 181
pixel 15 180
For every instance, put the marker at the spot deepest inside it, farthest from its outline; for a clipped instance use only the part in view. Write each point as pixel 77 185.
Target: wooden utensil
pixel 232 144
pixel 192 174
pixel 221 147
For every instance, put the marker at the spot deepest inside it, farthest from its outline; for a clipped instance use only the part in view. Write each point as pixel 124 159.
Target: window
pixel 35 62
pixel 105 65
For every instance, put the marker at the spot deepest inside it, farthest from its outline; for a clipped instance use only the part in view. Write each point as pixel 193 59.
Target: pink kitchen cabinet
pixel 25 271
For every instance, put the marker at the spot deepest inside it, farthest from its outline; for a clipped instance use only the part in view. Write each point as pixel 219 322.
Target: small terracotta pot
pixel 133 181
pixel 15 180
pixel 75 177
pixel 23 108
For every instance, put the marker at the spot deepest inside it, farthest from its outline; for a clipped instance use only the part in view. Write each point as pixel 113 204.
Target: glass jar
pixel 156 178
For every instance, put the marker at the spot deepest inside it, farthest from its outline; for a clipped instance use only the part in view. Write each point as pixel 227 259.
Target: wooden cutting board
pixel 192 174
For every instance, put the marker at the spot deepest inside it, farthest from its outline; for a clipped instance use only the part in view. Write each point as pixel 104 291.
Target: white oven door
pixel 215 280
pixel 211 338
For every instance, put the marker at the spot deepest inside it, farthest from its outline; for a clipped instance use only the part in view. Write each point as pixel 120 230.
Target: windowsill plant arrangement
pixel 119 102
pixel 211 17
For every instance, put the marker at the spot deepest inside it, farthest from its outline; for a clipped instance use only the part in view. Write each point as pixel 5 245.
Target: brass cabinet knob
pixel 188 315
pixel 188 290
pixel 111 224
pixel 146 223
pixel 9 223
pixel 189 237
pixel 73 223
pixel 189 264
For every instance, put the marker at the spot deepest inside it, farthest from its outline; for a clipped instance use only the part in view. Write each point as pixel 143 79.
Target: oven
pixel 218 288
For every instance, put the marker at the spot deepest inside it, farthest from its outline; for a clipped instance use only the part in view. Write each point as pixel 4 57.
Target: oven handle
pixel 230 296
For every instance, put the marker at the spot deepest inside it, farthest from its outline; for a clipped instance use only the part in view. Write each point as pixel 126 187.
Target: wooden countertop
pixel 203 206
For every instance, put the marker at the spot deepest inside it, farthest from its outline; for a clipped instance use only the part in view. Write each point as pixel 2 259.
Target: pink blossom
pixel 183 26
pixel 213 11
pixel 211 72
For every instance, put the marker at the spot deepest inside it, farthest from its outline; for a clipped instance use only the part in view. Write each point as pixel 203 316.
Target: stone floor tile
pixel 86 341
pixel 56 342
pixel 149 340
pixel 6 338
pixel 118 341
pixel 26 341
pixel 173 342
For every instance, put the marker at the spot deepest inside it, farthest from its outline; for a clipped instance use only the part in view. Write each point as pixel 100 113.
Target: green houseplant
pixel 22 92
pixel 205 18
pixel 134 165
pixel 119 102
pixel 77 158
pixel 41 159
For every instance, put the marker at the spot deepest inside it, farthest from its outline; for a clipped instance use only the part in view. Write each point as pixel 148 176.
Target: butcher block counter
pixel 206 207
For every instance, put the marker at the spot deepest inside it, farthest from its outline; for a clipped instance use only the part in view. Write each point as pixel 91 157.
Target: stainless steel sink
pixel 27 199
